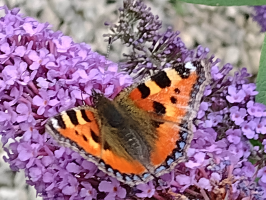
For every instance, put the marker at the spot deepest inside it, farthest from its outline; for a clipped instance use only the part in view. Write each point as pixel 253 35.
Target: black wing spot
pixel 144 90
pixel 161 79
pixel 106 146
pixel 157 124
pixel 84 138
pixel 72 116
pixel 77 133
pixel 84 116
pixel 182 71
pixel 95 137
pixel 60 121
pixel 177 90
pixel 173 100
pixel 159 108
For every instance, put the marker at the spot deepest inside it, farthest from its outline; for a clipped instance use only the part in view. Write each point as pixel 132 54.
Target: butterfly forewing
pixel 171 99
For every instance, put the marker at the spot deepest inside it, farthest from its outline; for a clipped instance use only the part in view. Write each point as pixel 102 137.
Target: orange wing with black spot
pixel 77 125
pixel 171 98
pixel 79 129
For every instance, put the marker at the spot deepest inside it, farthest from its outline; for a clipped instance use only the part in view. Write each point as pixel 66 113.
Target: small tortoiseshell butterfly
pixel 144 132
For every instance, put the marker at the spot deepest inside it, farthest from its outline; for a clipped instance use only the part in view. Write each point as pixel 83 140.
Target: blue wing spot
pixel 178 155
pixel 159 169
pixel 145 176
pixel 128 178
pixel 118 175
pixel 110 170
pixel 136 178
pixel 170 161
pixel 182 144
pixel 184 135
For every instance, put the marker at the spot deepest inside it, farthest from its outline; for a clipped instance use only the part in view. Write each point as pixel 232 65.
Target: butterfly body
pixel 123 126
pixel 142 133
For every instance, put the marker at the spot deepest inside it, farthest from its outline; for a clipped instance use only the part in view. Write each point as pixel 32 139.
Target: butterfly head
pixel 99 100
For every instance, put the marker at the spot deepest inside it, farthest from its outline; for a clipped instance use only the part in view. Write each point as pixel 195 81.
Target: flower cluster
pixel 228 118
pixel 41 74
pixel 260 16
pixel 44 72
pixel 138 28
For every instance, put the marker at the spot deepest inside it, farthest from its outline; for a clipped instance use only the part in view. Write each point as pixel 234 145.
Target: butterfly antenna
pixel 93 92
pixel 82 97
pixel 109 47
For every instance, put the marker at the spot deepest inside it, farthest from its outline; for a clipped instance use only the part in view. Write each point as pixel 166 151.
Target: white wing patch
pixel 189 65
pixel 55 123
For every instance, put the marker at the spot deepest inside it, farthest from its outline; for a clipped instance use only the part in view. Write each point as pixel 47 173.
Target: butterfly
pixel 145 131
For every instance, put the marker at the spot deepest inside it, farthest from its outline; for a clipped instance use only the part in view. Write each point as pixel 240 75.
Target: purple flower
pixel 205 184
pixel 215 72
pixel 40 58
pixel 264 143
pixel 250 89
pixel 260 16
pixel 184 181
pixel 234 95
pixel 29 129
pixel 215 177
pixel 248 129
pixel 248 169
pixel 113 189
pixel 48 177
pixel 73 168
pixel 15 73
pixel 35 173
pixel 237 114
pixel 148 190
pixel 24 113
pixel 203 107
pixel 262 175
pixel 256 109
pixel 233 136
pixel 88 192
pixel 213 120
pixel 69 186
pixel 261 125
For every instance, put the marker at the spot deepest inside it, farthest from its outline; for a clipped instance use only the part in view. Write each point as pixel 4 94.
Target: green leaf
pixel 256 143
pixel 261 77
pixel 227 2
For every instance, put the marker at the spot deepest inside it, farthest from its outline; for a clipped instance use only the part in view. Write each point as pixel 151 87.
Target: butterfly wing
pixel 171 98
pixel 79 129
